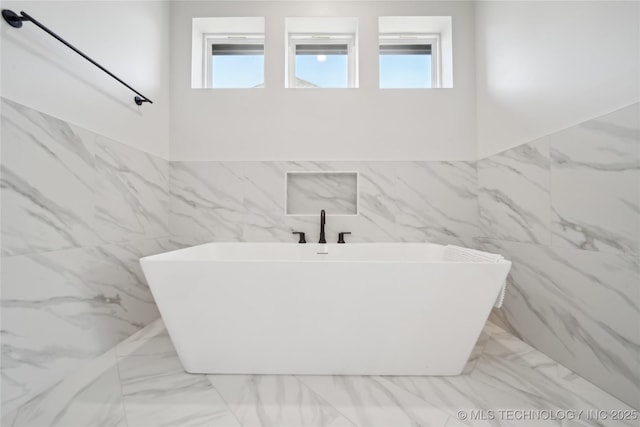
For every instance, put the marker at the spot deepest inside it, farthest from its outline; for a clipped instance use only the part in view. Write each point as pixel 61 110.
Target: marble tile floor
pixel 140 383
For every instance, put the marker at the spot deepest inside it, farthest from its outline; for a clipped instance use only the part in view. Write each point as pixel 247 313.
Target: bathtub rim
pixel 170 256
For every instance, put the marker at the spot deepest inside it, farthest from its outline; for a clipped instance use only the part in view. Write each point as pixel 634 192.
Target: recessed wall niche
pixel 307 193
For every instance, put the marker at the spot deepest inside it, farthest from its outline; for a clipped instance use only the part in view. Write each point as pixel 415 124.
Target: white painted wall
pixel 541 67
pixel 332 124
pixel 545 66
pixel 131 39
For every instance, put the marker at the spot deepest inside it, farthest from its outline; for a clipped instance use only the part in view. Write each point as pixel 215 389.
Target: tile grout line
pixel 213 387
pixel 122 399
pixel 318 396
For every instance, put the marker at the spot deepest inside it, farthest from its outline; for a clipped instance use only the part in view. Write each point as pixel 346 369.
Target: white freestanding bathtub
pixel 365 309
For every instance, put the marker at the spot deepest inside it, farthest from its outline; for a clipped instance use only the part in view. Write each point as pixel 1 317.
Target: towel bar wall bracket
pixel 16 21
pixel 12 18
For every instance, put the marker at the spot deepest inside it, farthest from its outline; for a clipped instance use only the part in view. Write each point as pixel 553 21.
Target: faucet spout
pixel 322 222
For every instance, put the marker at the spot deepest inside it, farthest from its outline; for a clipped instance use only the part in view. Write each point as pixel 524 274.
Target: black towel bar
pixel 16 21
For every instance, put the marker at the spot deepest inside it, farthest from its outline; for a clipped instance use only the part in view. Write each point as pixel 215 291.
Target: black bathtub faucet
pixel 322 222
pixel 341 236
pixel 302 239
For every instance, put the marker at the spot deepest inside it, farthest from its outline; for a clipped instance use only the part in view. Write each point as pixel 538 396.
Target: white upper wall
pixel 545 66
pixel 131 39
pixel 366 123
pixel 541 67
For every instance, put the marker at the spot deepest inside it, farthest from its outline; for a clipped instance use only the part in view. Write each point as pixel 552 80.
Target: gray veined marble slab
pixel 61 309
pixel 207 200
pixel 157 392
pixel 263 200
pixel 437 201
pixel 378 208
pixel 594 181
pixel 47 307
pixel 173 243
pixel 256 194
pixel 151 340
pixel 578 307
pixel 531 379
pixel 131 193
pixel 513 194
pixel 90 397
pixel 47 182
pixel 244 201
pixel 372 401
pixel 483 339
pixel 67 296
pixel 568 389
pixel 275 400
pixel 230 201
pixel 511 375
pixel 120 268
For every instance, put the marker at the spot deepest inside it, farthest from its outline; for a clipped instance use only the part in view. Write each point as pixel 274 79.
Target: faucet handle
pixel 341 236
pixel 302 239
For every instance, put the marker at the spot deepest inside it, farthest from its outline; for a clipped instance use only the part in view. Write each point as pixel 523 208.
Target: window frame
pixel 213 38
pixel 432 39
pixel 316 38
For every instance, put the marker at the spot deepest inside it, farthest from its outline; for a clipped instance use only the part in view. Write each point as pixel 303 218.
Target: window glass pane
pixel 322 70
pixel 237 69
pixel 405 71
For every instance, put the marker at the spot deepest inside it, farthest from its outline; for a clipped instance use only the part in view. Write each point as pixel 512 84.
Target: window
pixel 409 61
pixel 321 62
pixel 227 52
pixel 235 62
pixel 321 53
pixel 415 52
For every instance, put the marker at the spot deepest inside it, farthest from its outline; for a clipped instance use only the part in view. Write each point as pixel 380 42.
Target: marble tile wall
pixel 566 210
pixel 78 211
pixel 398 201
